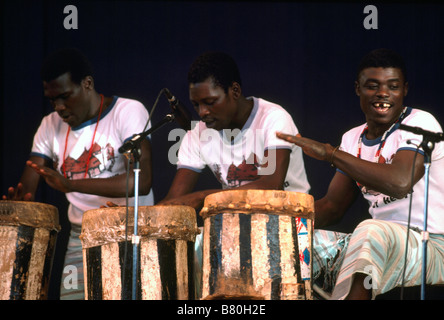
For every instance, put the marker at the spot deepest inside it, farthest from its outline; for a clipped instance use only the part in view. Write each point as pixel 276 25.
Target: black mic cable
pixel 181 113
pixel 408 220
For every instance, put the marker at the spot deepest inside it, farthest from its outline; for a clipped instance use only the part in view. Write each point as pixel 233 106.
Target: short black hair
pixel 66 60
pixel 382 58
pixel 216 65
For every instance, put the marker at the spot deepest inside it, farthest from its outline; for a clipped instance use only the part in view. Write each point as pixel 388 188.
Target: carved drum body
pixel 166 253
pixel 28 234
pixel 257 245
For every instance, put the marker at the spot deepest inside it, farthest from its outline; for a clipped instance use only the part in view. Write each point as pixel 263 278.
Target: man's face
pixel 215 107
pixel 69 100
pixel 381 92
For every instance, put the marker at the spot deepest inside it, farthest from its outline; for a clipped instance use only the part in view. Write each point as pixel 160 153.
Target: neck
pixel 377 131
pixel 96 102
pixel 244 111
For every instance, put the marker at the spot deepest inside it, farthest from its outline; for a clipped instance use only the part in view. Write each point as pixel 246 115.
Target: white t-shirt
pixel 237 162
pixel 387 208
pixel 118 123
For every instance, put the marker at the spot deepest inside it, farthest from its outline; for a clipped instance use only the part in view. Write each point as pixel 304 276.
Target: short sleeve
pixel 189 156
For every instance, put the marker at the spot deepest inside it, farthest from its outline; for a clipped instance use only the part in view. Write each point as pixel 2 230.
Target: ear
pixel 88 83
pixel 406 88
pixel 236 90
pixel 357 87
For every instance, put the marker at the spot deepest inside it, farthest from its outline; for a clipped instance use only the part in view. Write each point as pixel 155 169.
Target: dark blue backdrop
pixel 300 55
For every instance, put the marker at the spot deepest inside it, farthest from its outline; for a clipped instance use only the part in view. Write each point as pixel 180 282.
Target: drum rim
pixel 23 213
pixel 295 204
pixel 107 225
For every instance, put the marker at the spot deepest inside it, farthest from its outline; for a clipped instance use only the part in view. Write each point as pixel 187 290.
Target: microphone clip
pixel 134 142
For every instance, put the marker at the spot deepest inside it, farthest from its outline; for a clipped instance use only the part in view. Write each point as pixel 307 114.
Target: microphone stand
pixel 428 144
pixel 135 238
pixel 133 146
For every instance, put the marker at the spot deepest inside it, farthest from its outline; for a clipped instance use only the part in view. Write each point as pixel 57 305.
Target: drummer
pixel 379 158
pixel 235 137
pixel 79 139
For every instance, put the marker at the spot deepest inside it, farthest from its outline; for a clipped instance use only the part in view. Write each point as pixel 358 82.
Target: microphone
pixel 130 144
pixel 411 142
pixel 134 142
pixel 431 136
pixel 181 113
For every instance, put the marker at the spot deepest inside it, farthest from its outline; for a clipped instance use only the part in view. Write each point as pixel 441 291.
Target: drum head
pixel 28 213
pixel 259 201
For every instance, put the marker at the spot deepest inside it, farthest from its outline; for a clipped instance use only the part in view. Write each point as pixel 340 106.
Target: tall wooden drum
pixel 166 253
pixel 257 244
pixel 28 234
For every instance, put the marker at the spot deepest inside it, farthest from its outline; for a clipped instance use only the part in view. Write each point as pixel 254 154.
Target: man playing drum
pixel 235 139
pixel 80 141
pixel 379 158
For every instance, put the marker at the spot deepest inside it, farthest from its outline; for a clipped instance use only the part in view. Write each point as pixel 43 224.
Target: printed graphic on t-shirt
pixel 101 159
pixel 238 175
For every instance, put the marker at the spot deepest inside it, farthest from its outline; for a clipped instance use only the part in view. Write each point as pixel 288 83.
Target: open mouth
pixel 382 106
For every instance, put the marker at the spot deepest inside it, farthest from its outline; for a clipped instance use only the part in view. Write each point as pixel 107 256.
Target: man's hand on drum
pixel 186 200
pixel 52 177
pixel 17 194
pixel 312 148
pixel 194 199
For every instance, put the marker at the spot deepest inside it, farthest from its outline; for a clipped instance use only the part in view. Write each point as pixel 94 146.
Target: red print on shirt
pixel 75 168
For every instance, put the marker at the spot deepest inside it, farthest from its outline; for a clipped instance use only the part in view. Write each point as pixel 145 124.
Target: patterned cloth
pixel 328 253
pixel 376 248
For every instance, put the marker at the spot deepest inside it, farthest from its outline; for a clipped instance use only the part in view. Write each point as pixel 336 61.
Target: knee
pixel 377 231
pixel 371 225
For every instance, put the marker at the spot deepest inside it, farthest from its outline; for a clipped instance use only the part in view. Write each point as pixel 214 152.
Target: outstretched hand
pixel 53 178
pixel 312 148
pixel 194 200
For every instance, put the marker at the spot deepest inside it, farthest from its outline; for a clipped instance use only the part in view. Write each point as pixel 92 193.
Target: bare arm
pixel 181 190
pixel 392 179
pixel 341 194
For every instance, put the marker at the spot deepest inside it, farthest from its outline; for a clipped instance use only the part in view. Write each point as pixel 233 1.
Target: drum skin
pixel 166 253
pixel 257 245
pixel 28 234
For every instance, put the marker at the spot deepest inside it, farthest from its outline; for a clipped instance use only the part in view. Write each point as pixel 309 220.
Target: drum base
pixel 255 255
pixel 28 234
pixel 165 271
pixel 238 288
pixel 25 262
pixel 165 251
